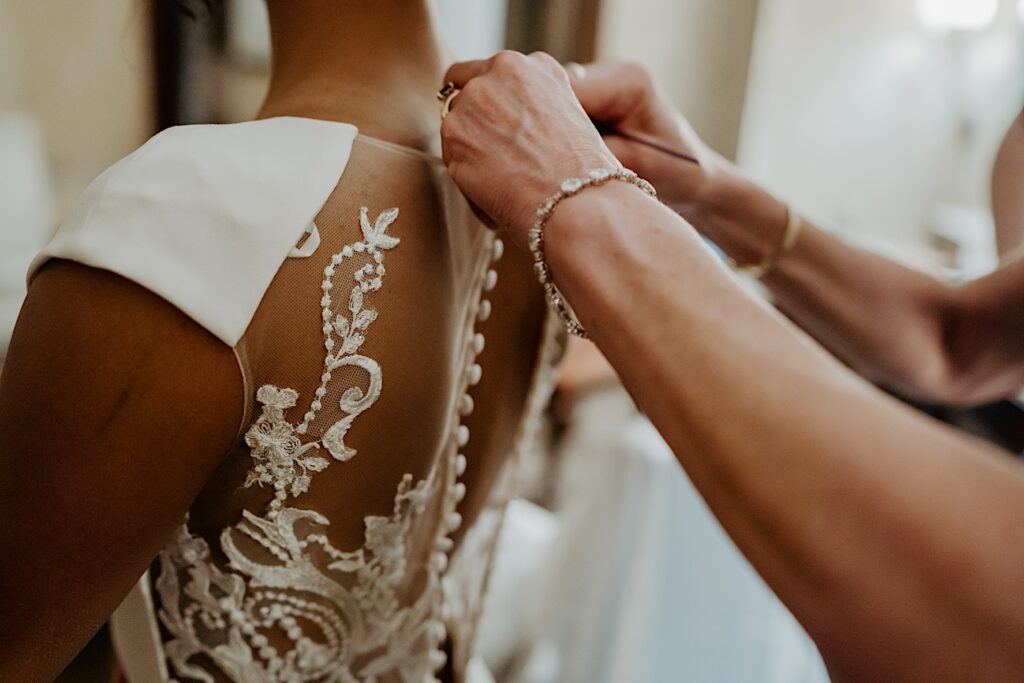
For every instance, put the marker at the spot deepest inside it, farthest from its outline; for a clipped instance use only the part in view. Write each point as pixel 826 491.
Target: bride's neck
pixel 377 64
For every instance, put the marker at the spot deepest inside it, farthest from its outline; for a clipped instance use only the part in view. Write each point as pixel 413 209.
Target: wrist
pixel 569 189
pixel 586 220
pixel 724 189
pixel 739 216
pixel 547 181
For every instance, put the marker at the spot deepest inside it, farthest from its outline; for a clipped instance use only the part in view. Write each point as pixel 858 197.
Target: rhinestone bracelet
pixel 570 188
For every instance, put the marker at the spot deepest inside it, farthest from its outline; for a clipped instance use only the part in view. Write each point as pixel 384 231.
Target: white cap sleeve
pixel 204 216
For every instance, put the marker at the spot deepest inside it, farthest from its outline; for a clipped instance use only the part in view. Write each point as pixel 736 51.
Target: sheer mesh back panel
pixel 415 335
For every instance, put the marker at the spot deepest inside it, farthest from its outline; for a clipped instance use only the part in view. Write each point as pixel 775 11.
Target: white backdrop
pixel 473 28
pixel 856 111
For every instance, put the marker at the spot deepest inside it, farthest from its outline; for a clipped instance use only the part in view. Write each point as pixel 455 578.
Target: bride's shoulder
pixel 204 215
pixel 282 166
pixel 224 162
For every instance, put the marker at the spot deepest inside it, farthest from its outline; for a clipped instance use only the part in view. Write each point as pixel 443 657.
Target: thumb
pixel 610 92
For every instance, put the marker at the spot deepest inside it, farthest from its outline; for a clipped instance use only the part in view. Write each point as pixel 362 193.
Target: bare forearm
pixel 887 321
pixel 806 466
pixel 890 323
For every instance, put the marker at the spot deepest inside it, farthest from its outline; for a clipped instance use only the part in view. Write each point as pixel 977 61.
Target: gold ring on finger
pixel 447 95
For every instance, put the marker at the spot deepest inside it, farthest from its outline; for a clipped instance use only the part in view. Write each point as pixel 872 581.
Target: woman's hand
pixel 733 212
pixel 514 133
pixel 518 129
pixel 624 98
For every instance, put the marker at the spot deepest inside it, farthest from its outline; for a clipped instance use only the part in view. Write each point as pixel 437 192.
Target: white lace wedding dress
pixel 356 289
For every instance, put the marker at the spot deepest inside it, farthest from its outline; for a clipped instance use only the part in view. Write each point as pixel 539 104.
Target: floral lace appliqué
pixel 288 606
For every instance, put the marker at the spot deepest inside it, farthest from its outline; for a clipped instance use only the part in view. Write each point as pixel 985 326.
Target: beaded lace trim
pixel 288 606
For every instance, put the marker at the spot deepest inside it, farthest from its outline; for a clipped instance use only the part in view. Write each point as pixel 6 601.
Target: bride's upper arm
pixel 114 410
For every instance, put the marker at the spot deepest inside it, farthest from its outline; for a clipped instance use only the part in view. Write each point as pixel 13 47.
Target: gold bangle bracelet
pixel 794 226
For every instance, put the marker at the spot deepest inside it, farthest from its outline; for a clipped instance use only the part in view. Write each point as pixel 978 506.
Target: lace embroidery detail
pixel 282 460
pixel 300 596
pixel 288 605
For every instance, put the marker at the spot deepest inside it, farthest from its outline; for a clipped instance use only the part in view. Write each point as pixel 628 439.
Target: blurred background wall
pixel 880 118
pixel 81 72
pixel 698 49
pixel 74 97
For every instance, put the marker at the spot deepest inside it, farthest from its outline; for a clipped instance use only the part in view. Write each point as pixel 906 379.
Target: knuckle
pixel 549 64
pixel 507 59
pixel 511 62
pixel 543 58
pixel 637 72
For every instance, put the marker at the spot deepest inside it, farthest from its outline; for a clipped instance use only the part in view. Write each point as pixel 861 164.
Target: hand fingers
pixel 610 91
pixel 463 72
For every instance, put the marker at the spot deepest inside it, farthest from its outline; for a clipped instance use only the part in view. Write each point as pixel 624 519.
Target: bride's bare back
pixel 329 460
pixel 372 433
pixel 373 414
